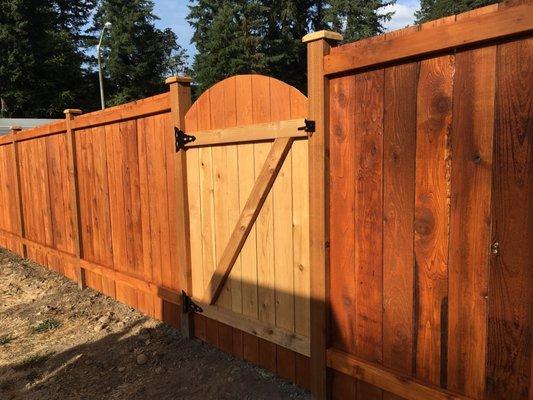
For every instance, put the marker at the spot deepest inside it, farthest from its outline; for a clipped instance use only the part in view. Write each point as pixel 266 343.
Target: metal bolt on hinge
pixel 495 248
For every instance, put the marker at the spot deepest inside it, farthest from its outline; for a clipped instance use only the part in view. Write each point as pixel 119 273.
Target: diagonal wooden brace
pixel 249 214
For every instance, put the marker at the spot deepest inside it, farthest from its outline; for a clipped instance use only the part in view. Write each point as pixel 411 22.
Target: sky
pixel 174 12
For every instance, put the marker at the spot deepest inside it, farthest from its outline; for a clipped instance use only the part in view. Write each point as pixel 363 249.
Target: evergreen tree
pixel 264 36
pixel 287 23
pixel 435 9
pixel 357 19
pixel 136 55
pixel 40 48
pixel 229 38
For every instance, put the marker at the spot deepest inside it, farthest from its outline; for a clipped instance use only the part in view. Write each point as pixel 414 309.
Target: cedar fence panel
pixel 430 191
pixel 394 245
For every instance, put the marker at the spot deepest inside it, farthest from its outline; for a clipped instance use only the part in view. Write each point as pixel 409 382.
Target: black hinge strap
pixel 189 305
pixel 310 126
pixel 182 139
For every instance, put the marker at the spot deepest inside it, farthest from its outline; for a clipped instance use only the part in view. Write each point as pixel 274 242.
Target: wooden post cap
pixel 72 111
pixel 176 79
pixel 327 35
pixel 15 128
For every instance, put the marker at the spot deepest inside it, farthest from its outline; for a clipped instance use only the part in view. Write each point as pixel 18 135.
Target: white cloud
pixel 404 14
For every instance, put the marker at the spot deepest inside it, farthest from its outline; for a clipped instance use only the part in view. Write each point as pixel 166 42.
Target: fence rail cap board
pixel 135 109
pixel 39 131
pixel 509 21
pixel 328 35
pixel 175 79
pixel 74 111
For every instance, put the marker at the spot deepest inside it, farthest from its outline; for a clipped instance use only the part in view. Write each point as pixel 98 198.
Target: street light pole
pixel 107 25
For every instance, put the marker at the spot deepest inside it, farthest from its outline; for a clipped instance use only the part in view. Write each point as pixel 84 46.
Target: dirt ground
pixel 57 342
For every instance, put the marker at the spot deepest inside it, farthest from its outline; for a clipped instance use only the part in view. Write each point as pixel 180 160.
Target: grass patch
pixel 46 326
pixel 5 339
pixel 32 361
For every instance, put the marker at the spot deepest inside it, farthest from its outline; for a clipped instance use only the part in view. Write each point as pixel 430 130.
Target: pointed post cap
pixel 74 111
pixel 178 79
pixel 327 35
pixel 15 128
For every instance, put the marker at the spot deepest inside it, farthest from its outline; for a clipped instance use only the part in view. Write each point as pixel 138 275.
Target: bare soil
pixel 57 342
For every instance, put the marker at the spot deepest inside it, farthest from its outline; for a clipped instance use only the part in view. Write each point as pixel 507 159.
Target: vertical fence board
pixel 282 203
pixel 511 277
pixel 432 215
pixel 264 222
pixel 399 141
pixel 244 102
pixel 368 207
pixel 471 140
pixel 342 214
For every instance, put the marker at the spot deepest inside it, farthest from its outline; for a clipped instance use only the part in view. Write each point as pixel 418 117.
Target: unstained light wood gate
pixel 247 183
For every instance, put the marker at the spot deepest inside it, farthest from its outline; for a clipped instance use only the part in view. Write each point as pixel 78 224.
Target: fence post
pixel 318 45
pixel 73 177
pixel 180 102
pixel 18 193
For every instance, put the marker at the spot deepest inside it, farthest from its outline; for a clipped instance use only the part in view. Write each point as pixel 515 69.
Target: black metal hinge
pixel 310 126
pixel 189 305
pixel 182 139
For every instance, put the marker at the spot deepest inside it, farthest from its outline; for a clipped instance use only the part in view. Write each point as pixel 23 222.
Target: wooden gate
pixel 247 182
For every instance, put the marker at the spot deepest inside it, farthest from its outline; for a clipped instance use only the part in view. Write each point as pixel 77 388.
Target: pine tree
pixel 137 56
pixel 435 9
pixel 41 70
pixel 287 23
pixel 264 36
pixel 229 39
pixel 357 19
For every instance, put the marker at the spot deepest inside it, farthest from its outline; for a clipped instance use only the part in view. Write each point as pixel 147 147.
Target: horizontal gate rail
pixel 294 128
pixel 289 340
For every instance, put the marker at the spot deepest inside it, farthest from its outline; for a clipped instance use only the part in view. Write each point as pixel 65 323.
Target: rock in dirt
pixel 121 369
pixel 141 359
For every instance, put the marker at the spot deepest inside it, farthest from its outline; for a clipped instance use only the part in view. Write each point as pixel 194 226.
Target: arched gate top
pixel 245 100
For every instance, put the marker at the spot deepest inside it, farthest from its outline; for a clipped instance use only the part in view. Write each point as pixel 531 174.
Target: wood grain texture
pixel 342 172
pixel 511 276
pixel 471 139
pixel 368 207
pixel 431 225
pixel 507 22
pixel 378 377
pixel 399 141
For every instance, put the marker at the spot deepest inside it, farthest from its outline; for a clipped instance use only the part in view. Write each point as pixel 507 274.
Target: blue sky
pixel 173 13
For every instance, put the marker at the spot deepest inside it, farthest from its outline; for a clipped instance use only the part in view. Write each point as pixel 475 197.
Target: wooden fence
pixel 390 242
pixel 428 186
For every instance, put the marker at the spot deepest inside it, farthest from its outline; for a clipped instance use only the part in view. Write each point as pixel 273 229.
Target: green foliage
pixel 264 36
pixel 136 55
pixel 229 39
pixel 41 48
pixel 435 9
pixel 357 19
pixel 47 325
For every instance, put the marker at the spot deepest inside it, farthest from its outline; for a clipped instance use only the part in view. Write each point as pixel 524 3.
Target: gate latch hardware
pixel 310 126
pixel 182 139
pixel 189 305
